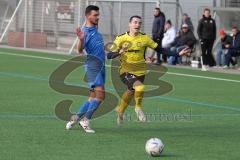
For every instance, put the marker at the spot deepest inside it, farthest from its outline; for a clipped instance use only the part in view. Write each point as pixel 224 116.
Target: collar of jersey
pixel 90 28
pixel 132 36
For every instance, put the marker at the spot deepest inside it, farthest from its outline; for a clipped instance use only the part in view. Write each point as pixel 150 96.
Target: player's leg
pixel 95 102
pixel 124 102
pixel 93 106
pixel 98 85
pixel 138 96
pixel 82 110
pixel 128 80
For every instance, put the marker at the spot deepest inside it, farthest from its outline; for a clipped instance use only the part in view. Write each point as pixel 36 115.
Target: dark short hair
pixel 135 16
pixel 91 8
pixel 235 27
pixel 157 8
pixel 207 9
pixel 169 22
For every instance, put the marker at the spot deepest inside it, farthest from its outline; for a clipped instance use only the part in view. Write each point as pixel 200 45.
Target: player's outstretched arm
pixel 80 35
pixel 112 55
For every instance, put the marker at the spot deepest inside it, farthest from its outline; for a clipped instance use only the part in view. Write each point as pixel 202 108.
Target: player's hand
pixel 80 34
pixel 81 53
pixel 122 50
pixel 151 59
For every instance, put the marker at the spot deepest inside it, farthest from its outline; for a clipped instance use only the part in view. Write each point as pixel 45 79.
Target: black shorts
pixel 130 79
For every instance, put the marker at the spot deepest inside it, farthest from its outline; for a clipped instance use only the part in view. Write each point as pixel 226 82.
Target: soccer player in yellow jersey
pixel 130 47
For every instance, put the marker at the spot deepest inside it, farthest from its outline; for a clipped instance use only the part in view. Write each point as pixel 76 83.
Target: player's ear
pixel 87 15
pixel 129 24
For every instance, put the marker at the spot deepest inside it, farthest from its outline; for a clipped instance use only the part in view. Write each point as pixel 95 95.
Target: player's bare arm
pixel 80 35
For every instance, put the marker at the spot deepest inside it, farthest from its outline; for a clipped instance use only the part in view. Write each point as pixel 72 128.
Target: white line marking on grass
pixel 30 56
pixel 170 73
pixel 204 77
pixel 111 89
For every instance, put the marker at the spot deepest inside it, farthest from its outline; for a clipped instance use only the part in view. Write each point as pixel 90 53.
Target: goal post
pixel 11 20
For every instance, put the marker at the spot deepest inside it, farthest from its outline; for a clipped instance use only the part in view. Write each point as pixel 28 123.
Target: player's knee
pixel 139 88
pixel 91 95
pixel 100 95
pixel 130 92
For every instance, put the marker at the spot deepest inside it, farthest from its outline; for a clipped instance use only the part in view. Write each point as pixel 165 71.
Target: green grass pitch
pixel 29 129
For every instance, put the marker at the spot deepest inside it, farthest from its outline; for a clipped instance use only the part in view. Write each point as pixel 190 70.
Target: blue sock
pixel 94 104
pixel 83 109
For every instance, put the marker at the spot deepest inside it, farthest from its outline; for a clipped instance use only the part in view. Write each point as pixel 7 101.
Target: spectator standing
pixel 158 29
pixel 207 34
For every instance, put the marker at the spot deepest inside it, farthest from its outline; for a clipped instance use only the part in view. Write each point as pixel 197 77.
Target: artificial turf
pixel 200 116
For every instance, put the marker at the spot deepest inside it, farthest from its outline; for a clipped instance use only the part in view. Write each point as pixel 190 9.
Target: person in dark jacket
pixel 158 29
pixel 185 41
pixel 234 50
pixel 185 38
pixel 187 20
pixel 207 34
pixel 226 41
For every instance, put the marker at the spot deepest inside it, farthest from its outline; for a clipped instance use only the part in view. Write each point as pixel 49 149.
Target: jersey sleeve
pixel 151 43
pixel 116 45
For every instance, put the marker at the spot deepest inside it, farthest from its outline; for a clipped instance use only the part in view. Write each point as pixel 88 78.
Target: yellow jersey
pixel 133 59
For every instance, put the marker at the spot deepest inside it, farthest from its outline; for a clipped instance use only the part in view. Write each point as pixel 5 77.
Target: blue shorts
pixel 95 77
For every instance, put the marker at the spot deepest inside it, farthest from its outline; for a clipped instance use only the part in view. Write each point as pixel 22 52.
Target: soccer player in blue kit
pixel 91 40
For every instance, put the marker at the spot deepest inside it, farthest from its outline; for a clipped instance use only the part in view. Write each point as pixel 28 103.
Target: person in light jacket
pixel 168 39
pixel 169 35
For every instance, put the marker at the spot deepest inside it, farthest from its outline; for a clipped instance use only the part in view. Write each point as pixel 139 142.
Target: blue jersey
pixel 95 64
pixel 94 44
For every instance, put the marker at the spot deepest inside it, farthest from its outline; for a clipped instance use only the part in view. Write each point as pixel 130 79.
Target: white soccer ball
pixel 154 147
